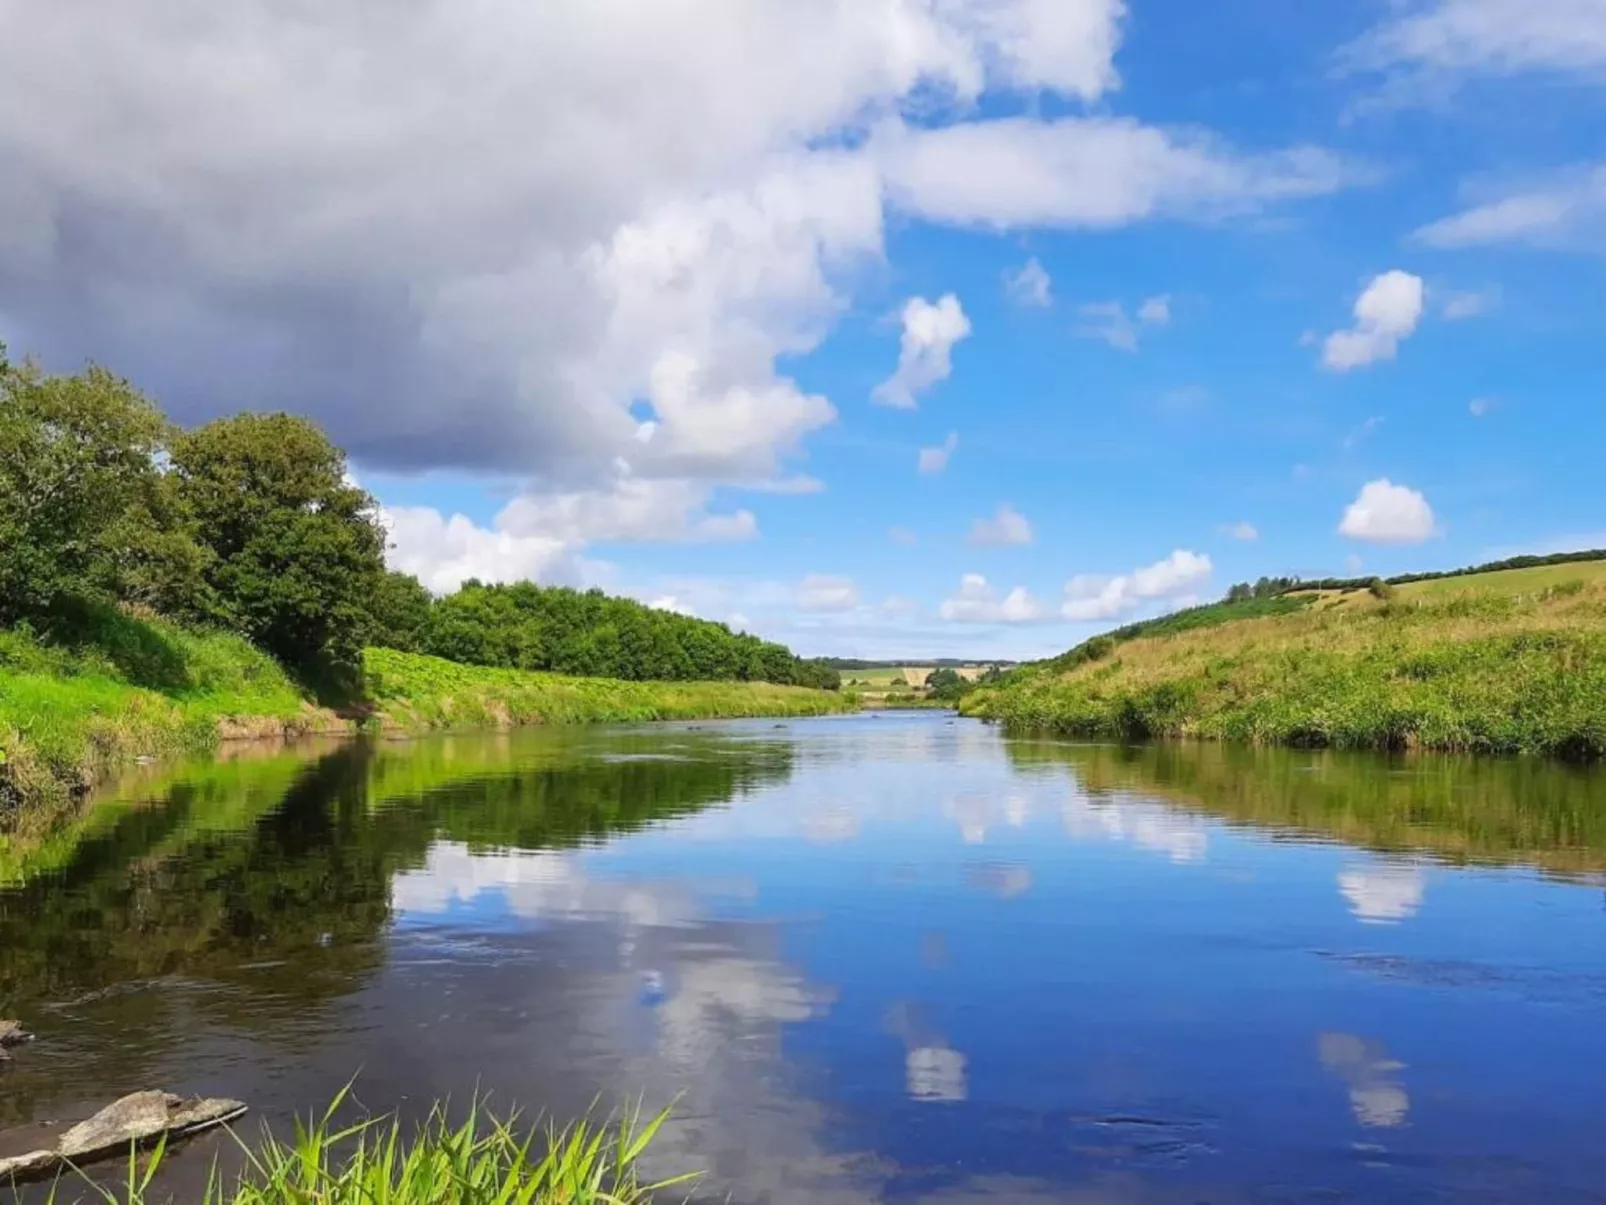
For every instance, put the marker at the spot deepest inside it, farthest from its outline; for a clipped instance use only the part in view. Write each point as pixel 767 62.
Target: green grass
pixel 113 688
pixel 481 1160
pixel 412 691
pixel 1511 582
pixel 1504 662
pixel 122 688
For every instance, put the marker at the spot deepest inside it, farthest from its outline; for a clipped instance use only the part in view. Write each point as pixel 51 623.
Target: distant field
pixel 903 677
pixel 1505 583
pixel 1508 581
pixel 880 678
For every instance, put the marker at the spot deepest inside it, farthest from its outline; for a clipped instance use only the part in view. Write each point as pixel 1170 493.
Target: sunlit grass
pixel 128 687
pixel 412 690
pixel 1491 671
pixel 481 1159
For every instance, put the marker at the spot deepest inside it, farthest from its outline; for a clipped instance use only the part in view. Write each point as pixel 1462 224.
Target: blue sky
pixel 629 309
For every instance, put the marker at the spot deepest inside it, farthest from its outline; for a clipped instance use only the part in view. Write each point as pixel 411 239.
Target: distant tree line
pixel 588 633
pixel 855 663
pixel 1272 587
pixel 251 524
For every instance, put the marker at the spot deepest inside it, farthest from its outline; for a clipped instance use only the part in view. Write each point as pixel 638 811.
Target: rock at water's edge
pixel 135 1120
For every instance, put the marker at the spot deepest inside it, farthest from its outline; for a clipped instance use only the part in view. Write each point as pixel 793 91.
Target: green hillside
pixel 1512 660
pixel 132 687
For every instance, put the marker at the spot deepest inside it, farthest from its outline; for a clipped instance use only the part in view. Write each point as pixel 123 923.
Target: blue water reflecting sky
pixel 919 967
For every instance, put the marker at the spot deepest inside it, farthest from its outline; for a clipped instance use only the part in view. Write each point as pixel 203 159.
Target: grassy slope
pixel 131 688
pixel 1503 662
pixel 413 691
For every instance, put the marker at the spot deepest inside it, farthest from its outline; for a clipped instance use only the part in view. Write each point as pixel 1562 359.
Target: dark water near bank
pixel 896 958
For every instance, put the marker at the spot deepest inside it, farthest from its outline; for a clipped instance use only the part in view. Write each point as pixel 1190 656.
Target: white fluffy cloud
pixel 977 602
pixel 935 460
pixel 1175 579
pixel 1240 530
pixel 1030 285
pixel 930 330
pixel 1446 39
pixel 1386 312
pixel 536 239
pixel 542 536
pixel 1385 513
pixel 1566 210
pixel 1087 172
pixel 1108 320
pixel 1007 526
pixel 825 592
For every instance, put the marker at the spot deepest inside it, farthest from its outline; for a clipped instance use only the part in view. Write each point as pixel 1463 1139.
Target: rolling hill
pixel 1505 658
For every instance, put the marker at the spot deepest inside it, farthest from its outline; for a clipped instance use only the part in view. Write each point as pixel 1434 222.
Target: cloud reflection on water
pixel 1383 894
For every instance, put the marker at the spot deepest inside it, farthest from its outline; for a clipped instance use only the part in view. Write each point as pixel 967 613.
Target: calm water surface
pixel 879 958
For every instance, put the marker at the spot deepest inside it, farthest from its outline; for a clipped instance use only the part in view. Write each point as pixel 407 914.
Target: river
pixel 881 957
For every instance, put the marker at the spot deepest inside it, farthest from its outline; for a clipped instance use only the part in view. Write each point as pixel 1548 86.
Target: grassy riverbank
pixel 414 692
pixel 1510 662
pixel 127 688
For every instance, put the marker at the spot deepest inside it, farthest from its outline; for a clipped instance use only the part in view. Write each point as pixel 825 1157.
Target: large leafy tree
pixel 297 550
pixel 86 510
pixel 400 610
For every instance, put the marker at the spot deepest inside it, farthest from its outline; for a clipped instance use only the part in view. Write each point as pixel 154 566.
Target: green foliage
pixel 1265 587
pixel 110 687
pixel 84 509
pixel 416 691
pixel 297 553
pixel 946 685
pixel 592 634
pixel 480 1160
pixel 400 613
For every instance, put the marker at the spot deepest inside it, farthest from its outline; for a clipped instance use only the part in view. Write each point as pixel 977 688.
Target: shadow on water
pixel 247 896
pixel 1462 810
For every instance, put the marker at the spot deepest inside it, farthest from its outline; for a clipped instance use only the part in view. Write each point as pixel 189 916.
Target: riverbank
pixel 1507 666
pixel 140 688
pixel 412 692
pixel 128 690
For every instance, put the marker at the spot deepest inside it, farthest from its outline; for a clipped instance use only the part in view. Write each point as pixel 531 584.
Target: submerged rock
pixel 135 1120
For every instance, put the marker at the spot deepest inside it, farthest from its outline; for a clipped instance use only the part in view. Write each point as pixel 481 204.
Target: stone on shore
pixel 135 1120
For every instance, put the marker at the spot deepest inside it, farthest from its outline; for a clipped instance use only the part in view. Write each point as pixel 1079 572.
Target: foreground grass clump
pixel 115 686
pixel 1507 670
pixel 414 691
pixel 482 1159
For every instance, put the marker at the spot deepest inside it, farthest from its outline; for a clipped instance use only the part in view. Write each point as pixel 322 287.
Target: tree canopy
pixel 296 552
pixel 252 524
pixel 590 633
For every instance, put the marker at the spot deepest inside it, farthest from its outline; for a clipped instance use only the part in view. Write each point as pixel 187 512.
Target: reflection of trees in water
pixel 296 875
pixel 1526 810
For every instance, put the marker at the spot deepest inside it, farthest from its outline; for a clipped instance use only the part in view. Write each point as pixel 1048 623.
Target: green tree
pixel 399 612
pixel 297 550
pixel 84 507
pixel 946 684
